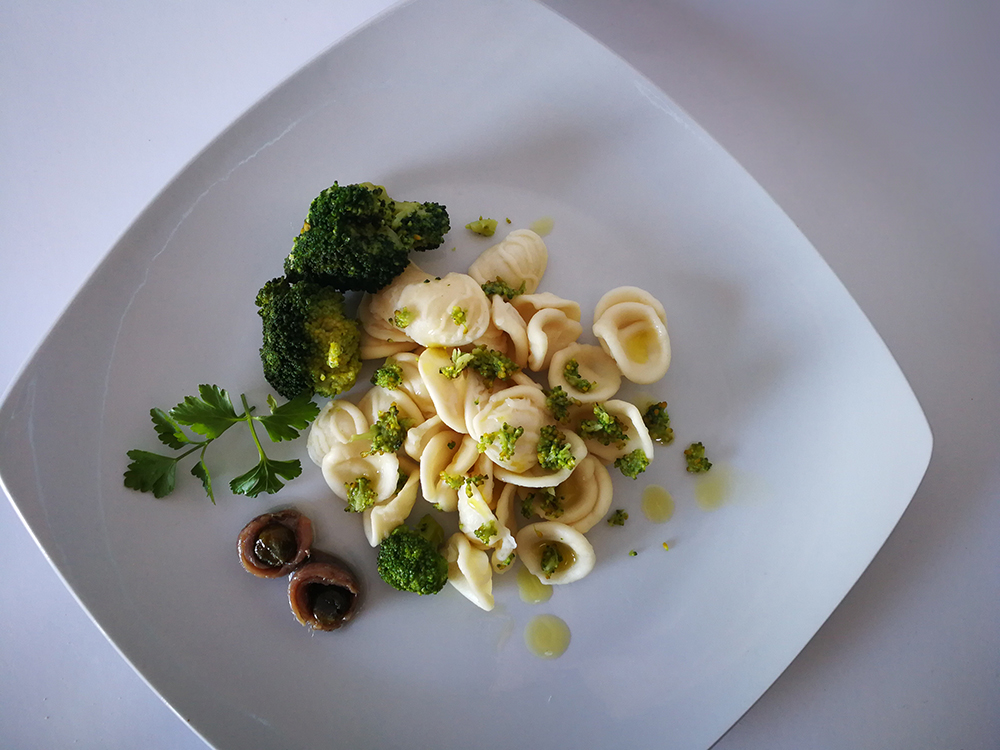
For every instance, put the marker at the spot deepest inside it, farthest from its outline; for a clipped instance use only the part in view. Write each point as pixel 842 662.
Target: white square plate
pixel 498 108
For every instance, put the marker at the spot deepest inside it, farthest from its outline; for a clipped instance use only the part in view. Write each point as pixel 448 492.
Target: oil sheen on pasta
pixel 547 636
pixel 531 589
pixel 637 346
pixel 657 504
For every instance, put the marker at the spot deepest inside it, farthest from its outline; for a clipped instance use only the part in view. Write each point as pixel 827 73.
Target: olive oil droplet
pixel 547 636
pixel 531 589
pixel 657 504
pixel 712 489
pixel 637 346
pixel 543 226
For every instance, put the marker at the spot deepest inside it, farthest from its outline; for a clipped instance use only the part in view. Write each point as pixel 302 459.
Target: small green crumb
pixel 697 462
pixel 618 518
pixel 666 546
pixel 485 227
pixel 632 553
pixel 507 220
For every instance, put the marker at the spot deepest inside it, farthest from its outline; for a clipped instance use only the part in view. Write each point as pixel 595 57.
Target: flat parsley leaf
pixel 151 472
pixel 287 419
pixel 167 430
pixel 210 415
pixel 264 477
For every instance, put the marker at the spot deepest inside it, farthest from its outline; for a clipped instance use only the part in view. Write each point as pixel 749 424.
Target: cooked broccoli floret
pixel 508 437
pixel 485 227
pixel 606 429
pixel 487 530
pixel 545 502
pixel 505 290
pixel 553 450
pixel 558 402
pixel 389 375
pixel 460 317
pixel 388 432
pixel 356 237
pixel 618 518
pixel 551 559
pixel 490 364
pixel 360 495
pixel 696 460
pixel 632 464
pixel 401 317
pixel 408 559
pixel 457 481
pixel 310 345
pixel 657 421
pixel 572 374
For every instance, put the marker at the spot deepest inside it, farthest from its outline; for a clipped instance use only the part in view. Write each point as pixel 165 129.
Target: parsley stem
pixel 249 420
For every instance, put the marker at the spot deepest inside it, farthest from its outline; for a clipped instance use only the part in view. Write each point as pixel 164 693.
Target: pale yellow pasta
pixel 635 429
pixel 506 515
pixel 480 525
pixel 417 437
pixel 537 476
pixel 337 422
pixel 519 406
pixel 528 305
pixel 446 456
pixel 549 331
pixel 586 495
pixel 376 348
pixel 509 321
pixel 520 257
pixel 380 519
pixel 412 384
pixel 378 400
pixel 594 365
pixel 344 463
pixel 629 294
pixel 635 337
pixel 448 394
pixel 576 552
pixel 469 571
pixel 447 312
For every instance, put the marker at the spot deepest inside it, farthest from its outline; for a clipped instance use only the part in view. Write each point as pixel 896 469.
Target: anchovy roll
pixel 324 593
pixel 274 544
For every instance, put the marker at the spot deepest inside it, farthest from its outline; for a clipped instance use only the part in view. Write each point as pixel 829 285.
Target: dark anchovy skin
pixel 290 519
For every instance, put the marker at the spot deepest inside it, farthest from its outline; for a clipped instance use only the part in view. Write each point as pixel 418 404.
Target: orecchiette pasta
pixel 629 294
pixel 417 437
pixel 521 257
pixel 344 463
pixel 448 394
pixel 506 514
pixel 507 319
pixel 380 519
pixel 447 456
pixel 519 407
pixel 586 495
pixel 469 571
pixel 479 524
pixel 450 311
pixel 337 422
pixel 527 305
pixel 554 552
pixel 412 384
pixel 633 334
pixel 635 429
pixel 594 365
pixel 378 400
pixel 549 331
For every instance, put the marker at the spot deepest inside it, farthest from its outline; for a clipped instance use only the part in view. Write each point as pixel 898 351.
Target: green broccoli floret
pixel 606 429
pixel 545 502
pixel 355 237
pixel 618 518
pixel 388 432
pixel 508 437
pixel 558 402
pixel 657 421
pixel 457 481
pixel 408 559
pixel 360 495
pixel 487 530
pixel 632 464
pixel 401 317
pixel 460 317
pixel 485 227
pixel 551 559
pixel 697 463
pixel 490 365
pixel 310 345
pixel 389 375
pixel 420 226
pixel 553 451
pixel 571 372
pixel 505 290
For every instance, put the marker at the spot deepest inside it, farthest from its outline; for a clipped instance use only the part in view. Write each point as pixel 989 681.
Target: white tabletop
pixel 875 125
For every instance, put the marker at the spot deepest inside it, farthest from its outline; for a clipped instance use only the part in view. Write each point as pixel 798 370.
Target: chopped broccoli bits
pixel 605 429
pixel 488 363
pixel 632 464
pixel 557 401
pixel 460 316
pixel 388 432
pixel 553 450
pixel 697 463
pixel 551 559
pixel 508 437
pixel 618 518
pixel 401 318
pixel 487 530
pixel 360 495
pixel 505 290
pixel 485 227
pixel 389 375
pixel 657 421
pixel 572 374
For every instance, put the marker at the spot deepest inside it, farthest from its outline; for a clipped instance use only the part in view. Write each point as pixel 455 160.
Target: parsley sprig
pixel 209 415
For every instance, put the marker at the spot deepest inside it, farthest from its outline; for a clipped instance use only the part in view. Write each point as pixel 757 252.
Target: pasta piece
pixel 527 305
pixel 633 334
pixel 469 571
pixel 380 519
pixel 554 552
pixel 412 384
pixel 518 407
pixel 508 320
pixel 337 422
pixel 378 400
pixel 417 437
pixel 446 461
pixel 629 294
pixel 477 522
pixel 537 476
pixel 521 257
pixel 549 331
pixel 382 305
pixel 448 394
pixel 635 429
pixel 344 464
pixel 506 515
pixel 376 348
pixel 594 365
pixel 447 312
pixel 586 495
